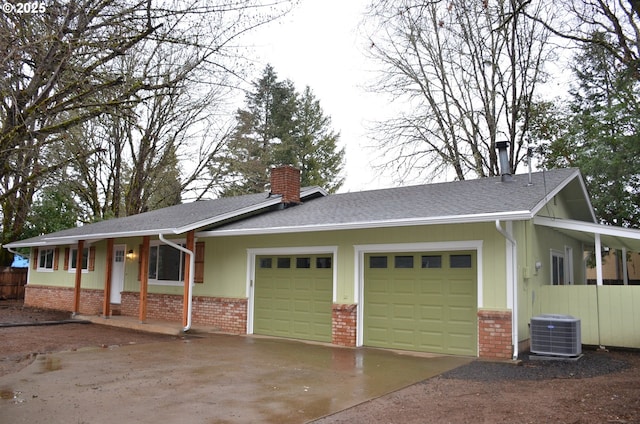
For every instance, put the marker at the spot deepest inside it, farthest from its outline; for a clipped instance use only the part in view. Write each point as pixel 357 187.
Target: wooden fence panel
pixel 12 282
pixel 577 301
pixel 619 315
pixel 609 315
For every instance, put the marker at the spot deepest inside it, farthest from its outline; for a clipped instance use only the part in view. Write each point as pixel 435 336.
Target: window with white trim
pixel 45 260
pixel 166 264
pixel 74 259
pixel 557 268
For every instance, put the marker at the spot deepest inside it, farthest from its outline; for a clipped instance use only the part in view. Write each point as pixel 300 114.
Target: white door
pixel 117 272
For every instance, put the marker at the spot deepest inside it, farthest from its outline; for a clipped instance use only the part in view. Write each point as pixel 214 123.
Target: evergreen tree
pixel 602 135
pixel 53 210
pixel 281 126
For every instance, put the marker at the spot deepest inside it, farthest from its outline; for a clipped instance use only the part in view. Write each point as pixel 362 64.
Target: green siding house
pixel 451 268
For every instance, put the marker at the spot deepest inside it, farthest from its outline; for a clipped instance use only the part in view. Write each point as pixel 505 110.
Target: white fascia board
pixel 456 219
pixel 101 236
pixel 587 227
pixel 575 174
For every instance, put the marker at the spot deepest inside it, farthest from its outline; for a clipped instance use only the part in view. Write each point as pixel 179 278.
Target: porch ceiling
pixel 616 237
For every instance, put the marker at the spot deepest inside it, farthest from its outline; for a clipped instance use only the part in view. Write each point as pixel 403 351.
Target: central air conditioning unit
pixel 557 335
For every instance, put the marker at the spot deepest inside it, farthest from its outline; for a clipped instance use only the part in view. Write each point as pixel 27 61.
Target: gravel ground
pixel 592 364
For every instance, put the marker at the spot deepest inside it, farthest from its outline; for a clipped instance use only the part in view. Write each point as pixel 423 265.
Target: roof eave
pixel 455 219
pixel 74 238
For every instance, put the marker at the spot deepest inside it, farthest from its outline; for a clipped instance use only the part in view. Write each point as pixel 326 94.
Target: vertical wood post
pixel 106 306
pixel 191 245
pixel 78 282
pixel 144 277
pixel 598 253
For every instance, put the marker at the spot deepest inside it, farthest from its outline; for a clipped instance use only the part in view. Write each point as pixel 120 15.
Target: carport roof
pixel 616 237
pixel 480 200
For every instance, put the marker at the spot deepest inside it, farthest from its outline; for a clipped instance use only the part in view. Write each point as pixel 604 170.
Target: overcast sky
pixel 317 45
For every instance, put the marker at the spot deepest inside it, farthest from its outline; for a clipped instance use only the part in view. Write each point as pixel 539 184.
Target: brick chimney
pixel 285 181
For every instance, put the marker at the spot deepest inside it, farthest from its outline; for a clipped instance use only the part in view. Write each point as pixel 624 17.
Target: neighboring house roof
pixel 480 200
pixel 177 219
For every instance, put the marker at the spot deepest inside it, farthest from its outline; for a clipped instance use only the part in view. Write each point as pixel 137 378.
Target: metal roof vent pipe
pixel 503 156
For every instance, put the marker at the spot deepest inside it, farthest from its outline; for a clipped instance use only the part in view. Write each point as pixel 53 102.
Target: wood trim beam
pixel 191 245
pixel 78 280
pixel 106 306
pixel 144 277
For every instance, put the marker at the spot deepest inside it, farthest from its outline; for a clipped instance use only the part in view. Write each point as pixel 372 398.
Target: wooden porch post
pixel 78 282
pixel 144 277
pixel 191 245
pixel 106 306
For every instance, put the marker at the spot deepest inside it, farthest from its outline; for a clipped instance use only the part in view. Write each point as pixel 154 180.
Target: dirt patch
pixel 21 344
pixel 602 387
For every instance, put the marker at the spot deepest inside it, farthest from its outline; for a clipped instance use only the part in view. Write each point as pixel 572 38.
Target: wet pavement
pixel 214 379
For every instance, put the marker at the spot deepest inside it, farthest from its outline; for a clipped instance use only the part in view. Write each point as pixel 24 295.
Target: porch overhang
pixel 616 237
pixel 596 235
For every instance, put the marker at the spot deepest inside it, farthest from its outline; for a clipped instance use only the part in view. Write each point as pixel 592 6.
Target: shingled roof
pixel 177 219
pixel 479 200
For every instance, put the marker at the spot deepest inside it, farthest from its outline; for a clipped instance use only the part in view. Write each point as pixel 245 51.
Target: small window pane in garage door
pixel 460 261
pixel 432 261
pixel 323 262
pixel 377 262
pixel 404 262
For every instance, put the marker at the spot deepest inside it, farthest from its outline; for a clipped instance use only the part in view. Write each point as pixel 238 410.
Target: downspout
pixel 514 290
pixel 192 266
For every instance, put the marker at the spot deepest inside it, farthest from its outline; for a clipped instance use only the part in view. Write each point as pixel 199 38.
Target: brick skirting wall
pixel 230 315
pixel 343 325
pixel 61 299
pixel 494 334
pixel 227 315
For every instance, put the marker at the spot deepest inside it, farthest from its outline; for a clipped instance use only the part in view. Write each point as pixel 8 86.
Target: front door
pixel 117 273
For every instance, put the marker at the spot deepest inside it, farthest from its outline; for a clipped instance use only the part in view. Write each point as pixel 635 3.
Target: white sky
pixel 317 45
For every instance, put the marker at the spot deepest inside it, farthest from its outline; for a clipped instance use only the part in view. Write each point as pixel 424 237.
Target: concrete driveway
pixel 215 379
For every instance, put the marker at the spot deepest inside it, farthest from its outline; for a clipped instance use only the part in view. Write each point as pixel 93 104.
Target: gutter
pixel 390 223
pixel 192 269
pixel 514 289
pixel 17 253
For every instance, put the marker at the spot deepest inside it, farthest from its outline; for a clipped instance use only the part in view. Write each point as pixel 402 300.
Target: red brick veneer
pixel 494 334
pixel 343 325
pixel 61 298
pixel 225 314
